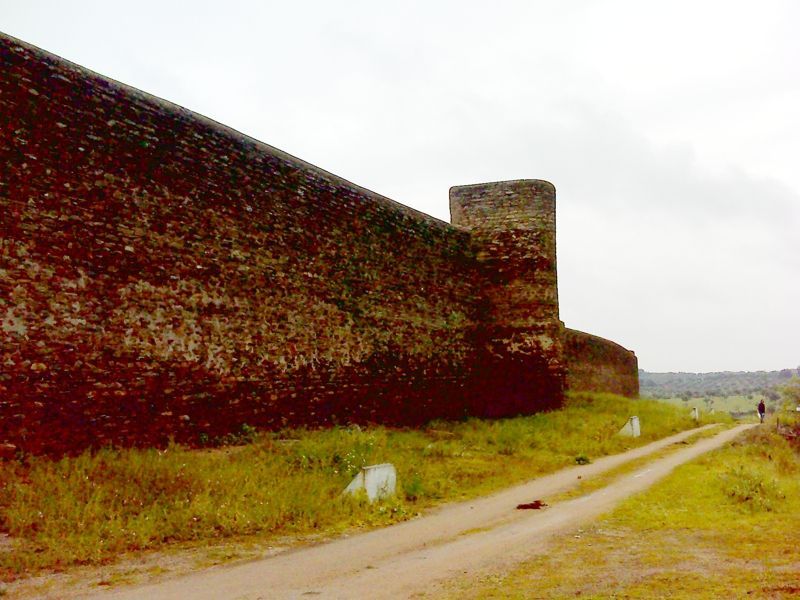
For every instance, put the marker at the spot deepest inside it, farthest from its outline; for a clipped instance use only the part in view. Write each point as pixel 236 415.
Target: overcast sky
pixel 670 129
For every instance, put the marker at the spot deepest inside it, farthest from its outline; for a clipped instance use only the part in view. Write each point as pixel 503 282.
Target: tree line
pixel 725 383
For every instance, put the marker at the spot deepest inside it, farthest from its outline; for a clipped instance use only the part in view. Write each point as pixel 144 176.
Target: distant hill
pixel 726 383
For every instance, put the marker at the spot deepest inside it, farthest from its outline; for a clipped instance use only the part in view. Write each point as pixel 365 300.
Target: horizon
pixel 795 372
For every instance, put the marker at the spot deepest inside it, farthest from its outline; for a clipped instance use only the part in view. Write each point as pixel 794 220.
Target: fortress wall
pixel 597 364
pixel 162 275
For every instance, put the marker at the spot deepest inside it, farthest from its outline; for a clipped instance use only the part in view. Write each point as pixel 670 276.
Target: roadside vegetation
pixel 737 393
pixel 93 508
pixel 742 406
pixel 723 526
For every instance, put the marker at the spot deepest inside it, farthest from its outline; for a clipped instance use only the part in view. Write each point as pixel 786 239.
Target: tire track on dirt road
pixel 402 560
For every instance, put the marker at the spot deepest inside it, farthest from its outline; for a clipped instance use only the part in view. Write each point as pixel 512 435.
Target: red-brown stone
pixel 165 277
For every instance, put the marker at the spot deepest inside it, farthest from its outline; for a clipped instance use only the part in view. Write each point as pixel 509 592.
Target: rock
pixel 7 451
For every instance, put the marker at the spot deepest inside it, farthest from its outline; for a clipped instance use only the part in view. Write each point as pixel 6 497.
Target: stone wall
pixel 163 276
pixel 599 365
pixel 513 224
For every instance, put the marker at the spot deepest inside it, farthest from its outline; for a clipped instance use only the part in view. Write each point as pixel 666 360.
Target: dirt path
pixel 411 557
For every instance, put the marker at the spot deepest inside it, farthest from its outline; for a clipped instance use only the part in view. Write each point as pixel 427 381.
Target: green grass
pixel 592 484
pixel 723 526
pixel 92 508
pixel 733 403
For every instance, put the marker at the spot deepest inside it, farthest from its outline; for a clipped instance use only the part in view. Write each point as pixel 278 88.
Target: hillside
pixel 726 383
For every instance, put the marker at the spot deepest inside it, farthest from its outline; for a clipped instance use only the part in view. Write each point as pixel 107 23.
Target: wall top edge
pixel 14 44
pixel 511 183
pixel 597 338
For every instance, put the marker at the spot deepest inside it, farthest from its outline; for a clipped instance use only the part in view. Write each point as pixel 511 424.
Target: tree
pixel 791 392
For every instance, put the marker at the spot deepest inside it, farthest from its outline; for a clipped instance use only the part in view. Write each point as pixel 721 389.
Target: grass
pixel 593 484
pixel 723 526
pixel 737 403
pixel 95 507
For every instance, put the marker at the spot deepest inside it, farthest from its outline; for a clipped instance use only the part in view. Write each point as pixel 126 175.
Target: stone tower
pixel 513 227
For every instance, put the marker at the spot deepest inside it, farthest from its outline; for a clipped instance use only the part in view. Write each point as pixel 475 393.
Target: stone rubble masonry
pixel 163 276
pixel 599 365
pixel 513 226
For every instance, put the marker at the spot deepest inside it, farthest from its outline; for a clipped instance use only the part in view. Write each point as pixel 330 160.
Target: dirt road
pixel 413 557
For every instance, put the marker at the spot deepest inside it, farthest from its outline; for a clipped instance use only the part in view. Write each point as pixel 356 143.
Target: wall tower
pixel 513 226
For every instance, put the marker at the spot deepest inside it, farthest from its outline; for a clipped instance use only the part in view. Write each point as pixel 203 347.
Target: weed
pixel 90 508
pixel 750 487
pixel 722 526
pixel 413 487
pixel 245 435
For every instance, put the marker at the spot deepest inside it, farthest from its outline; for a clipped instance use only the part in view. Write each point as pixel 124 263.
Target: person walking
pixel 762 410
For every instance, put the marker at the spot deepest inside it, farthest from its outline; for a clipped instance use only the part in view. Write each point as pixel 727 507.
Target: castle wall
pixel 599 365
pixel 163 275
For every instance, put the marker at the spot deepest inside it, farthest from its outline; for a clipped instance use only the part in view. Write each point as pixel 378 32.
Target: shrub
pixel 750 487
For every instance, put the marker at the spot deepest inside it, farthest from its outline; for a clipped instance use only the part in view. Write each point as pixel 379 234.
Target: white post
pixel 631 428
pixel 379 481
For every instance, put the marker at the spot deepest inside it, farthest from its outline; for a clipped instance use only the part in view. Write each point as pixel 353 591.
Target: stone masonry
pixel 513 227
pixel 164 276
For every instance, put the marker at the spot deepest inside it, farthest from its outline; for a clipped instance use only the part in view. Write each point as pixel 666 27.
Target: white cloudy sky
pixel 671 130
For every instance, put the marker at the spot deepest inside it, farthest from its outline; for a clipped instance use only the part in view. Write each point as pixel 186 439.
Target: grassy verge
pixel 593 484
pixel 723 526
pixel 733 403
pixel 94 507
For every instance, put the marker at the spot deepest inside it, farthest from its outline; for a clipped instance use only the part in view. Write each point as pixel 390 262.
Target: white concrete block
pixel 379 481
pixel 695 414
pixel 631 428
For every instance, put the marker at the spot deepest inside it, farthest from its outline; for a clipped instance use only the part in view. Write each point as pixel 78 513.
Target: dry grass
pixel 97 506
pixel 723 526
